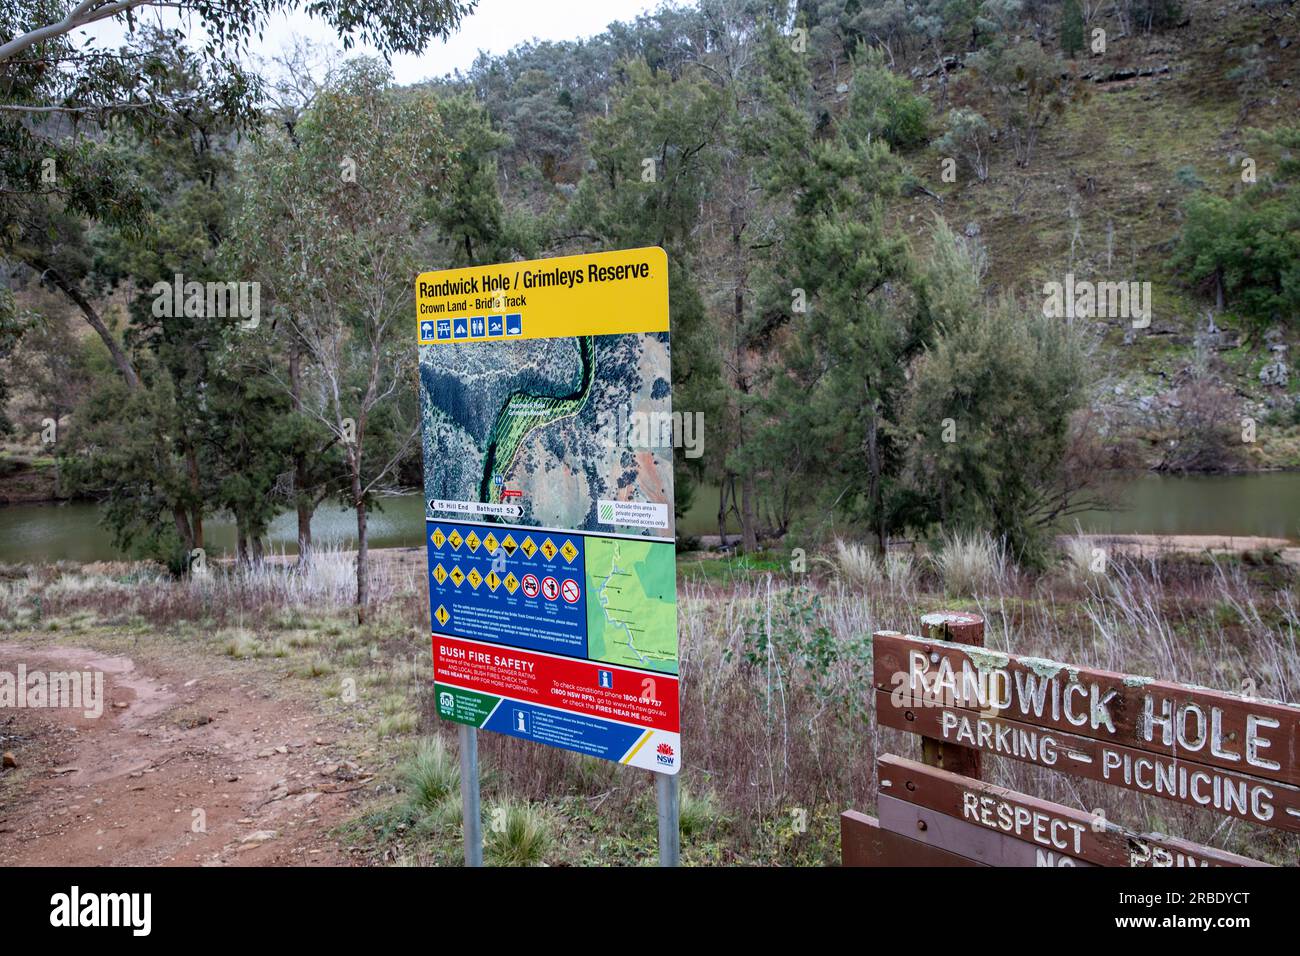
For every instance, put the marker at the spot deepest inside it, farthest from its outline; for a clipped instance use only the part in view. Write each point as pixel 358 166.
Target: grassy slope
pixel 1131 138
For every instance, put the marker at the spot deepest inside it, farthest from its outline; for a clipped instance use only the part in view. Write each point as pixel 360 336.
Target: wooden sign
pixel 1183 781
pixel 1200 747
pixel 864 842
pixel 1001 827
pixel 966 839
pixel 1260 738
pixel 1227 753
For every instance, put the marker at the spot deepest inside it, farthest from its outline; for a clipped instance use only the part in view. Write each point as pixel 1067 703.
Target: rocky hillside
pixel 1153 118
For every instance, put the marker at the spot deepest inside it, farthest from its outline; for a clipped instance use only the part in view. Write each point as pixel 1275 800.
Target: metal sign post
pixel 469 795
pixel 667 796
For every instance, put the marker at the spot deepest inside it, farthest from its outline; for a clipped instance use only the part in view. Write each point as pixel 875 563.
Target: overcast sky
pixel 494 26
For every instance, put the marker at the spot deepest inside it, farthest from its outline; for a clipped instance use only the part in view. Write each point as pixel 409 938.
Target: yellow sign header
pixel 606 293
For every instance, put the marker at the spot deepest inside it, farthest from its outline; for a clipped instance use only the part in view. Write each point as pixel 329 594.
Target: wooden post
pixel 959 627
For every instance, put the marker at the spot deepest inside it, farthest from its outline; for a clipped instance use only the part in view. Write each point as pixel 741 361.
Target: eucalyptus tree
pixel 334 223
pixel 60 96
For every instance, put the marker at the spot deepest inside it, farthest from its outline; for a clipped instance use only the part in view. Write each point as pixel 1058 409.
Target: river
pixel 1265 504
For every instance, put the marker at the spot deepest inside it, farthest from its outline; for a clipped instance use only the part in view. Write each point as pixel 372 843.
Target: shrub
pixel 1245 252
pixel 969 138
pixel 882 104
pixel 1201 428
pixel 991 406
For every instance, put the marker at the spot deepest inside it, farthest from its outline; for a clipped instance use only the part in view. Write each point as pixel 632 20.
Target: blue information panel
pixel 515 586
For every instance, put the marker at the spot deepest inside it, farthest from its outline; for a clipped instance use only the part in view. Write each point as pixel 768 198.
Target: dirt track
pixel 265 774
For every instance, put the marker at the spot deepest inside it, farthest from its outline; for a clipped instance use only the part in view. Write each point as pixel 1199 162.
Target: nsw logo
pixel 664 754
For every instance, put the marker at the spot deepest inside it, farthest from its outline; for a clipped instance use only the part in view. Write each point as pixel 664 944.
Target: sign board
pixel 1223 752
pixel 546 413
pixel 1192 745
pixel 1001 827
pixel 956 835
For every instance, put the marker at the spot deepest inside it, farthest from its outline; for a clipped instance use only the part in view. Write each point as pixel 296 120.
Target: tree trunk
pixel 183 528
pixel 304 533
pixel 196 507
pixel 748 517
pixel 119 357
pixel 300 489
pixel 722 510
pixel 363 567
pixel 875 489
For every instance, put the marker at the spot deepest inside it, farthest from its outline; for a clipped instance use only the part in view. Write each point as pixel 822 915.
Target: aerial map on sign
pixel 546 407
pixel 534 423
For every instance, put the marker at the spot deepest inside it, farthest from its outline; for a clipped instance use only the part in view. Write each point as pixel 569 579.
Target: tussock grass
pixel 315 666
pixel 1079 558
pixel 900 570
pixel 447 812
pixel 430 777
pixel 970 563
pixel 518 834
pixel 240 644
pixel 857 564
pixel 698 813
pixel 395 725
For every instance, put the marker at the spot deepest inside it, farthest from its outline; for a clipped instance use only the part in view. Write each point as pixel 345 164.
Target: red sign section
pixel 599 690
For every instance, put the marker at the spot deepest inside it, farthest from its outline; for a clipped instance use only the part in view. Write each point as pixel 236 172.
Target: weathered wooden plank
pixel 990 847
pixel 1049 826
pixel 1173 778
pixel 1259 738
pixel 864 843
pixel 959 627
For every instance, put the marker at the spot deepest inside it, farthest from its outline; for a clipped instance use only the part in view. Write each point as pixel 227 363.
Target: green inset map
pixel 632 603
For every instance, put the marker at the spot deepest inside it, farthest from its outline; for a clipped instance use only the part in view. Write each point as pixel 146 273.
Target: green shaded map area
pixel 631 603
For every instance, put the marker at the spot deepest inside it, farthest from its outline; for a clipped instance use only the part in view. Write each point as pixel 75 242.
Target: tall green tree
pixel 184 174
pixel 1071 28
pixel 652 159
pixel 833 298
pixel 59 97
pixel 343 206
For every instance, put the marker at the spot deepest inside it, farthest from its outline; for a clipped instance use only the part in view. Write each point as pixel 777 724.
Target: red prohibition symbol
pixel 530 585
pixel 550 588
pixel 569 591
